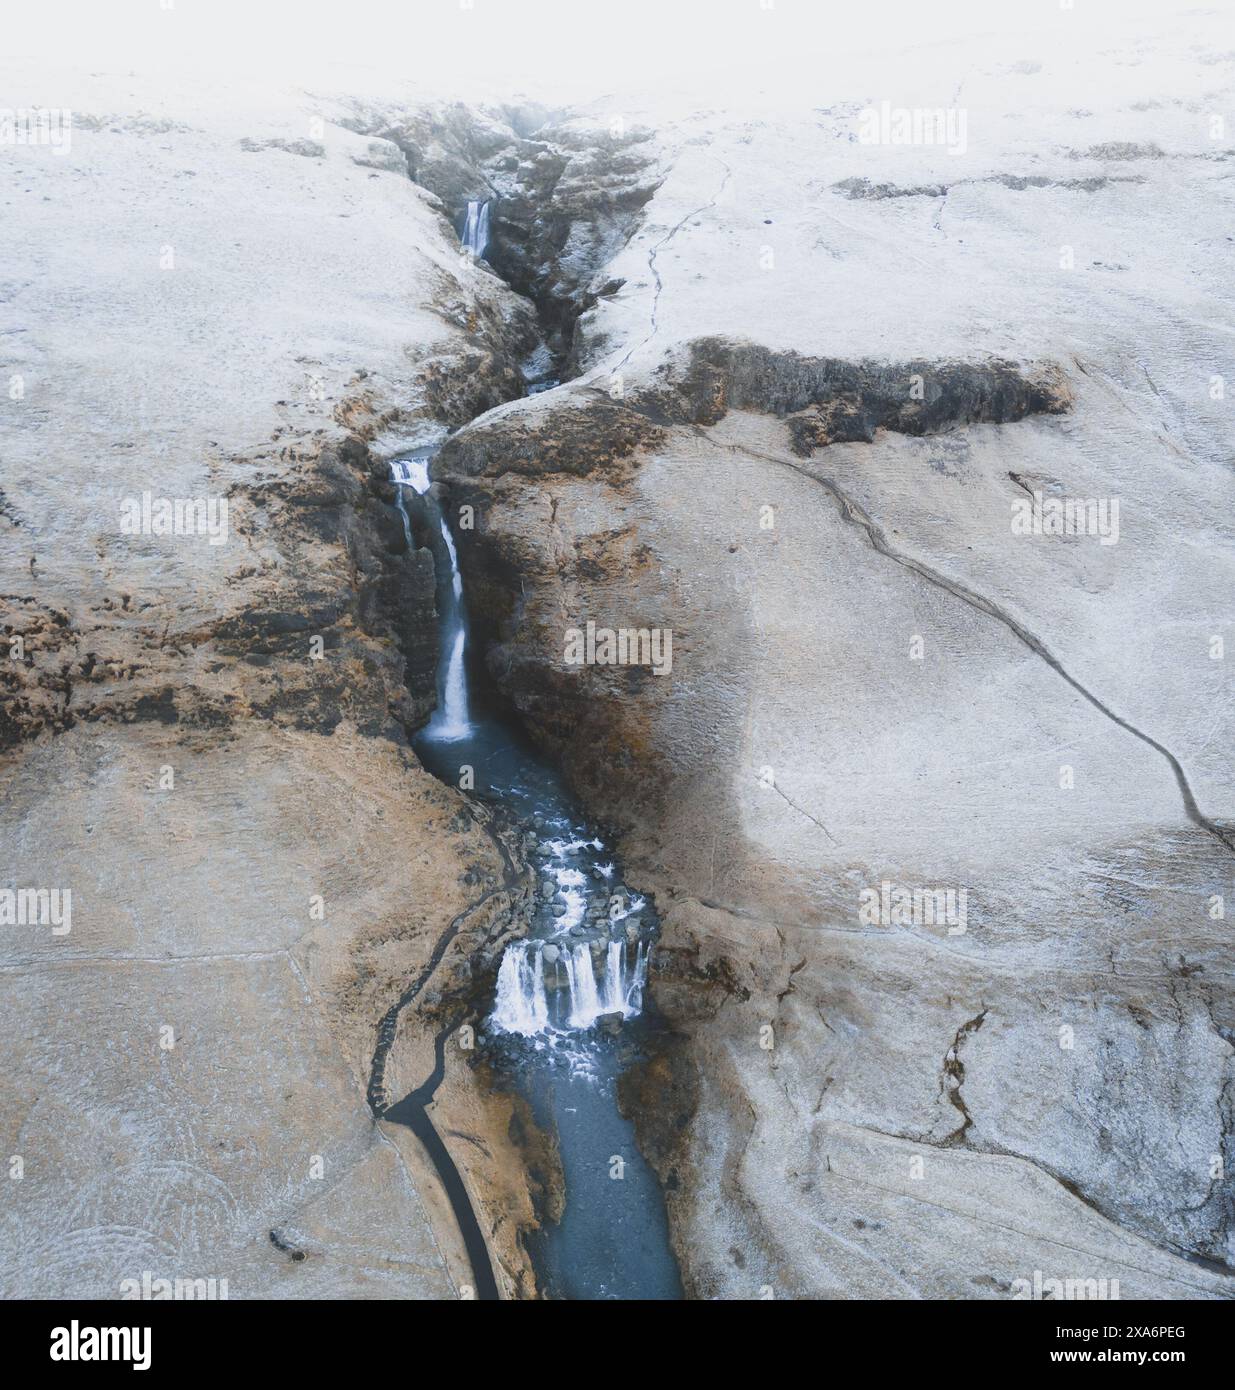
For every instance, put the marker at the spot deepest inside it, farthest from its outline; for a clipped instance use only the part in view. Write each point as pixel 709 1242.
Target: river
pixel 569 1009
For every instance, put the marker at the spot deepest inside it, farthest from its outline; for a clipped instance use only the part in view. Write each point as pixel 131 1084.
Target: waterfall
pixel 407 525
pixel 593 985
pixel 585 1006
pixel 524 1004
pixel 456 579
pixel 414 472
pixel 521 1006
pixel 476 228
pixel 634 990
pixel 451 720
pixel 615 979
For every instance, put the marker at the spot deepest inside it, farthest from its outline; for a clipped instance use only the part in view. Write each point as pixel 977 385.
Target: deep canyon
pixel 392 927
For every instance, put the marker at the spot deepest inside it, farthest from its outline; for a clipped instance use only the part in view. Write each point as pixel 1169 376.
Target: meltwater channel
pixel 567 1016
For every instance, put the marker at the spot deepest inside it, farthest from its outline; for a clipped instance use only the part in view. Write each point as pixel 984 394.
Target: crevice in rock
pixel 995 1150
pixel 387 1028
pixel 814 820
pixel 952 1079
pixel 412 1109
pixel 658 283
pixel 565 195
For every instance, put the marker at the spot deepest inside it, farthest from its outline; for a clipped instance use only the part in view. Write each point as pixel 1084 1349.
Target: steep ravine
pixel 789 430
pixel 564 195
pixel 518 805
pixel 575 503
pixel 557 1037
pixel 587 435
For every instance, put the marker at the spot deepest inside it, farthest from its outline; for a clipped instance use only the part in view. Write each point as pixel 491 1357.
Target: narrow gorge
pixel 630 801
pixel 567 1004
pixel 572 493
pixel 566 1014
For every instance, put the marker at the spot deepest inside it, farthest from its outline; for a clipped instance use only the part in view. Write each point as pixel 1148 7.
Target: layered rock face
pixel 204 733
pixel 804 455
pixel 565 193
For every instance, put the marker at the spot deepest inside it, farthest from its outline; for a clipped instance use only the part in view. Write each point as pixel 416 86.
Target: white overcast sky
pixel 550 48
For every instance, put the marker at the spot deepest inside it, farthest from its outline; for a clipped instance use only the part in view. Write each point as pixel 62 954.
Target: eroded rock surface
pixel 205 743
pixel 813 378
pixel 565 193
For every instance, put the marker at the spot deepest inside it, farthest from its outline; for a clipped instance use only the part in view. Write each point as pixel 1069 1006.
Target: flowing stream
pixel 567 1015
pixel 475 236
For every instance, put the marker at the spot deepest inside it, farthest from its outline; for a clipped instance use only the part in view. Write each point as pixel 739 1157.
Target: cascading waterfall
pixel 562 994
pixel 451 720
pixel 476 229
pixel 407 524
pixel 584 1001
pixel 414 472
pixel 521 1005
pixel 549 985
pixel 567 1018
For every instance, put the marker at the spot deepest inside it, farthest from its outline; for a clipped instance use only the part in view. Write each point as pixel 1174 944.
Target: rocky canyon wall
pixel 205 735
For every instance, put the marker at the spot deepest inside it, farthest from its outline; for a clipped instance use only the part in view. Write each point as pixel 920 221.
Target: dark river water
pixel 568 1014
